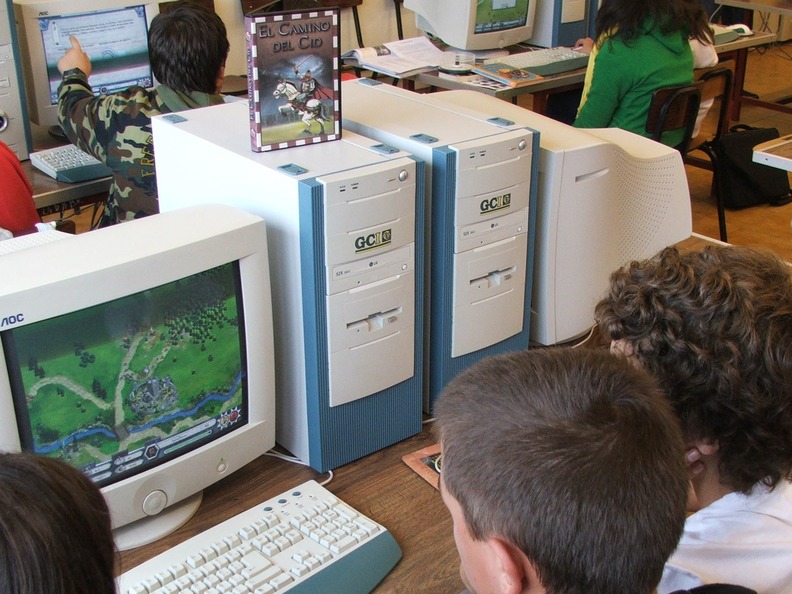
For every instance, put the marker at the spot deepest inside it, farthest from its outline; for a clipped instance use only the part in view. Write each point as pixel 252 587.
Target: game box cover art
pixel 293 78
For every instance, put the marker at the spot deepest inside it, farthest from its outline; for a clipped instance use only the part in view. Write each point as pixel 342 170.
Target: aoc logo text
pixel 11 320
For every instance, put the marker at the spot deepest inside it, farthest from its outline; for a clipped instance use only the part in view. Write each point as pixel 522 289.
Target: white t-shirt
pixel 739 539
pixel 704 56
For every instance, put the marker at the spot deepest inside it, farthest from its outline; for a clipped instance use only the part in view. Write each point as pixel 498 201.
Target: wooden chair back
pixel 674 108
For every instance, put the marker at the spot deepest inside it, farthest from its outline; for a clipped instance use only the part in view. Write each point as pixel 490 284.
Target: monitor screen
pixel 126 385
pixel 115 40
pixel 499 15
pixel 143 355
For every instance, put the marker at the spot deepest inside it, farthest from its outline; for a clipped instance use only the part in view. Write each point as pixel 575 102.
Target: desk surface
pixel 746 42
pixel 380 485
pixel 49 193
pixel 546 83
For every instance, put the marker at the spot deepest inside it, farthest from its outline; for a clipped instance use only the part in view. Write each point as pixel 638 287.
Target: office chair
pixel 715 82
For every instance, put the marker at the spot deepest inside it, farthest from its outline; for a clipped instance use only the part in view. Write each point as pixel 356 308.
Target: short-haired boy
pixel 562 472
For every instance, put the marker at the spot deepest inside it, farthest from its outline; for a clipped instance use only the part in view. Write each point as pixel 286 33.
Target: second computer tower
pixel 481 191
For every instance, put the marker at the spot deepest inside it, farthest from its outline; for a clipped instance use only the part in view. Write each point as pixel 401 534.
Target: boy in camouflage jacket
pixel 188 49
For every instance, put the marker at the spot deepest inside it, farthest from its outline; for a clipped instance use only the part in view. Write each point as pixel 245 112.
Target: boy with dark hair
pixel 563 473
pixel 715 328
pixel 188 49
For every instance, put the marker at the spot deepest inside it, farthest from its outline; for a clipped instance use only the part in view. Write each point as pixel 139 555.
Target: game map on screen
pixel 131 383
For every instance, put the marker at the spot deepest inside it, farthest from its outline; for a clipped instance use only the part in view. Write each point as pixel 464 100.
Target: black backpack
pixel 742 182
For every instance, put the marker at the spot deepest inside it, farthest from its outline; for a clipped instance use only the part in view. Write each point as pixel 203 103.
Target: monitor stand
pixel 153 528
pixel 482 55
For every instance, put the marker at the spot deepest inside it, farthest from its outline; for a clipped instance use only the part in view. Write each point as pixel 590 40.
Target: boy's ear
pixel 516 572
pixel 706 447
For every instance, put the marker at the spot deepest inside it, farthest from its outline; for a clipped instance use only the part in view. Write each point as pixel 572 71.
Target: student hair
pixel 55 532
pixel 575 457
pixel 187 47
pixel 628 18
pixel 715 327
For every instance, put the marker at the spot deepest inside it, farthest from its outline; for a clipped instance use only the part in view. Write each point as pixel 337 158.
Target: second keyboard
pixel 545 61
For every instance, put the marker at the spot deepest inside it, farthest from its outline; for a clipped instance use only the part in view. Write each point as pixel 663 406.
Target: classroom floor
pixel 769 74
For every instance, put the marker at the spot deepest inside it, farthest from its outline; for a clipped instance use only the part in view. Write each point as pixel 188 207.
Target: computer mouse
pixel 743 30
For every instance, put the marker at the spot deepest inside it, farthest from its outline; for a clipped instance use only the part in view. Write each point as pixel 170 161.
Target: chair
pixel 672 109
pixel 715 82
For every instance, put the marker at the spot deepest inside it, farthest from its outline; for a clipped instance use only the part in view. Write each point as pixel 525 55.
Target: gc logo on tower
pixel 495 204
pixel 372 241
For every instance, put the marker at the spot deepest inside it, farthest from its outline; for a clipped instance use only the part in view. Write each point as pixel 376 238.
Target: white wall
pixel 377 22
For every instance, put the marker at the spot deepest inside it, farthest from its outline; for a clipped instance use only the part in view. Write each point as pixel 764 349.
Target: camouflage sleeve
pixel 77 112
pixel 94 123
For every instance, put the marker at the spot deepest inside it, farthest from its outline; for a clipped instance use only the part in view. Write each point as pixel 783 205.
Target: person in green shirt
pixel 640 47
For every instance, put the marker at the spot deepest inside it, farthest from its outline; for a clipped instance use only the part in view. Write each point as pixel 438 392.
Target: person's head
pixel 627 18
pixel 55 533
pixel 564 473
pixel 188 48
pixel 715 328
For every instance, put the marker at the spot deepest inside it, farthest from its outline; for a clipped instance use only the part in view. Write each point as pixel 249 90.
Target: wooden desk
pixel 738 51
pixel 380 485
pixel 543 87
pixel 782 7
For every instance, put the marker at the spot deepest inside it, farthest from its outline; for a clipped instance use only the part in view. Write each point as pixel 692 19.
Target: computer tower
pixel 344 226
pixel 562 22
pixel 481 190
pixel 14 123
pixel 606 196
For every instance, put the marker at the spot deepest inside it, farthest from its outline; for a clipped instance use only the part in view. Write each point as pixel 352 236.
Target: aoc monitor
pixel 142 354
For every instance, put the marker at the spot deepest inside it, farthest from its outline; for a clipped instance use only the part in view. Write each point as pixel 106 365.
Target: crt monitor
pixel 114 34
pixel 142 354
pixel 475 24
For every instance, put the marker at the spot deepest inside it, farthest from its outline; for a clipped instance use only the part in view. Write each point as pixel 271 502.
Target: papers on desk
pixel 399 59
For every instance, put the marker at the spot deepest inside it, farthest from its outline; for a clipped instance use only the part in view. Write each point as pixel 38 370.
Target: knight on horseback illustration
pixel 304 98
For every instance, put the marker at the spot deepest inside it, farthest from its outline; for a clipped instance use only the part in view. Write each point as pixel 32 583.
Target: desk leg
pixel 539 104
pixel 740 62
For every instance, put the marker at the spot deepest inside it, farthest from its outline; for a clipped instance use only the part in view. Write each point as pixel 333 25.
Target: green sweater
pixel 621 78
